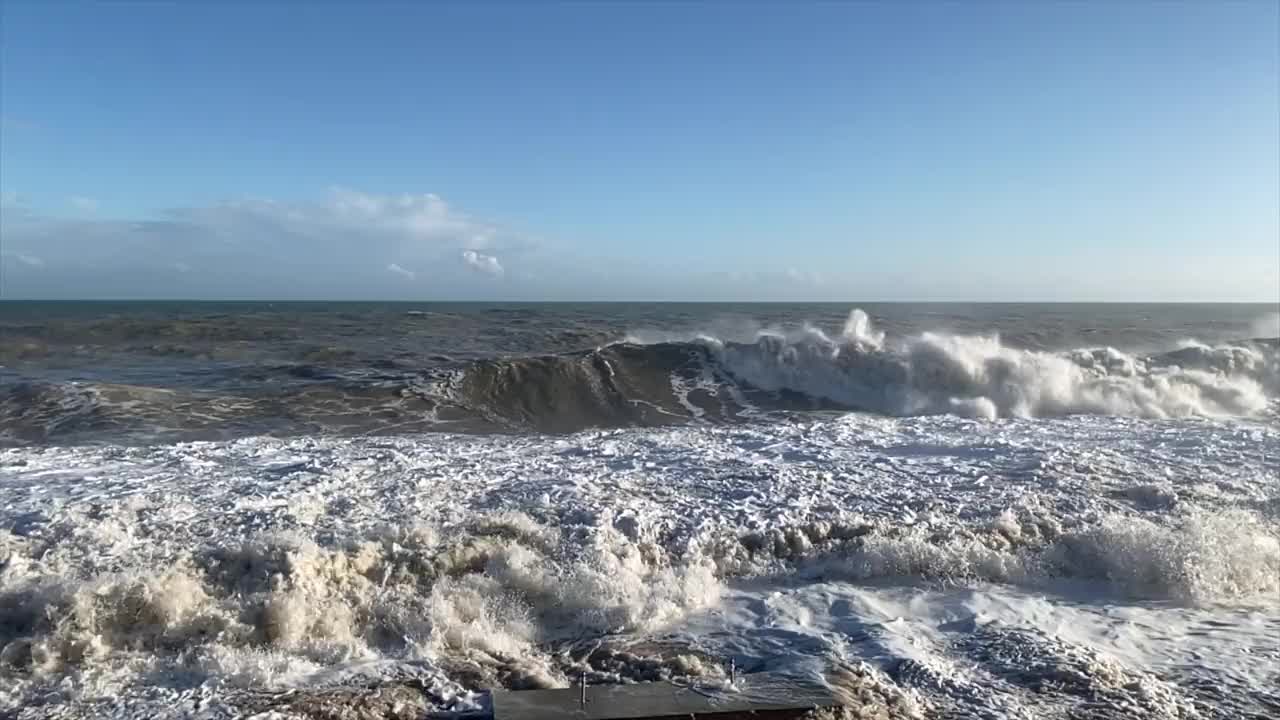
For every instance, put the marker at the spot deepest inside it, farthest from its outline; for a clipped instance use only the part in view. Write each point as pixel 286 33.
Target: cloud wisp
pixel 29 260
pixel 394 268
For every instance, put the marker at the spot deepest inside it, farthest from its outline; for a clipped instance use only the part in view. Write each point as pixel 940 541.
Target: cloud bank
pixel 362 246
pixel 348 244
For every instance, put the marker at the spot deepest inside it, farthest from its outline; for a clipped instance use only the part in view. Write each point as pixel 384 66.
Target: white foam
pixel 1200 557
pixel 978 376
pixel 261 565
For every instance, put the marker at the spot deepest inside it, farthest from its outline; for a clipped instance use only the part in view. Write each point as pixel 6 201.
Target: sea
pixel 390 510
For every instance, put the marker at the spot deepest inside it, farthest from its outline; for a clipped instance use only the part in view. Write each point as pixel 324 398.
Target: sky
pixel 984 151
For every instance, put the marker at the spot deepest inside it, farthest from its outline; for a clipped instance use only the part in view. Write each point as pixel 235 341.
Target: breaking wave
pixel 978 376
pixel 672 380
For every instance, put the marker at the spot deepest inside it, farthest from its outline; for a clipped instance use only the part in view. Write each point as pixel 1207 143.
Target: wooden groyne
pixel 755 696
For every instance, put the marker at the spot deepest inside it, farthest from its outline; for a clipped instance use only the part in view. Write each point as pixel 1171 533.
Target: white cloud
pixel 83 204
pixel 401 271
pixel 28 260
pixel 335 246
pixel 480 262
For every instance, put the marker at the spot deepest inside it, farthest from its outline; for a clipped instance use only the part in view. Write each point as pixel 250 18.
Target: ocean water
pixel 225 510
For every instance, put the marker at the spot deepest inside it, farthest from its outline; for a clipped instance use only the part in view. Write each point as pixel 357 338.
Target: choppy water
pixel 137 372
pixel 1000 511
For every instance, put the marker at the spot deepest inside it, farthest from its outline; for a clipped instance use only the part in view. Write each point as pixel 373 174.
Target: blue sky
pixel 606 150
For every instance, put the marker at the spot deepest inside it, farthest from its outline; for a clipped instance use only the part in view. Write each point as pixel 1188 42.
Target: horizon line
pixel 631 301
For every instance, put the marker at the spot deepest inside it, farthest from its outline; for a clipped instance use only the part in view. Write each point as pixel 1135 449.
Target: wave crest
pixel 979 376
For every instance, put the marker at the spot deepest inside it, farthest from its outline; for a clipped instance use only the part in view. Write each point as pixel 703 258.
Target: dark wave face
pixel 616 386
pixel 629 385
pixel 218 376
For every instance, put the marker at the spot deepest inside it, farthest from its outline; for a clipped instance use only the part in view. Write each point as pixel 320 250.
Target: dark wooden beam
pixel 756 696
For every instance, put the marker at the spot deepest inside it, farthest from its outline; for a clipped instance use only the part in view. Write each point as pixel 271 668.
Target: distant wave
pixel 697 378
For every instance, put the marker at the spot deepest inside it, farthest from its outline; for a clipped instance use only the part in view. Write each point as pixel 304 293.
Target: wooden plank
pixel 753 696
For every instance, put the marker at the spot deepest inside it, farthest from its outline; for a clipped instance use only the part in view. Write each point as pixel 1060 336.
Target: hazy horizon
pixel 1270 308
